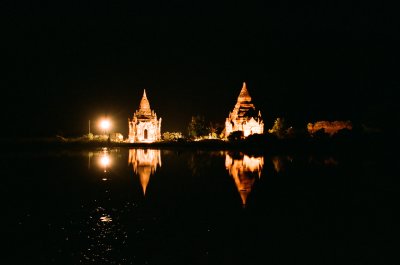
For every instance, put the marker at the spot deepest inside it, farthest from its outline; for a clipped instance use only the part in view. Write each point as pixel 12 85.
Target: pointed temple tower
pixel 144 126
pixel 244 116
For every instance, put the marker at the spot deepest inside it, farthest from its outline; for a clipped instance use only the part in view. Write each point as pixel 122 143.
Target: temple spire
pixel 144 103
pixel 244 94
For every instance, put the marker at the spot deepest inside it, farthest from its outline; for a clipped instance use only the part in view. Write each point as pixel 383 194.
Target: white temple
pixel 144 126
pixel 244 116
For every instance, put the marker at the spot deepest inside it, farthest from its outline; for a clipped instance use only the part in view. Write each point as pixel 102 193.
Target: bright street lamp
pixel 105 124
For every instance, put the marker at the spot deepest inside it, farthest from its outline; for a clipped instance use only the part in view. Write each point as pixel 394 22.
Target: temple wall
pixel 152 131
pixel 248 128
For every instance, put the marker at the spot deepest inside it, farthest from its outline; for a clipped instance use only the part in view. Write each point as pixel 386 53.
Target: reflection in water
pixel 330 161
pixel 90 155
pixel 104 161
pixel 144 162
pixel 325 161
pixel 102 237
pixel 280 162
pixel 103 158
pixel 199 162
pixel 244 170
pixel 190 217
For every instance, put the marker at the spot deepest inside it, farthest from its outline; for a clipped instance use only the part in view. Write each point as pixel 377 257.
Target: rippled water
pixel 146 206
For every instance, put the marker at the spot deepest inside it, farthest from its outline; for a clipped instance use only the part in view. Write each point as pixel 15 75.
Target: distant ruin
pixel 329 127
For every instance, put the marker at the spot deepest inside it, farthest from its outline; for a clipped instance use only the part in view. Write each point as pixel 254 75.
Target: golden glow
pixel 105 124
pixel 106 219
pixel 329 127
pixel 253 164
pixel 144 162
pixel 244 169
pixel 105 160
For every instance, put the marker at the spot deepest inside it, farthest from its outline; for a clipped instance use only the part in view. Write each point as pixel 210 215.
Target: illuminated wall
pixel 330 127
pixel 244 169
pixel 144 162
pixel 244 116
pixel 144 126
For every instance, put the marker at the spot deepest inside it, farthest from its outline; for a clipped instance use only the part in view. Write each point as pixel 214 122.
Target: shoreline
pixel 262 145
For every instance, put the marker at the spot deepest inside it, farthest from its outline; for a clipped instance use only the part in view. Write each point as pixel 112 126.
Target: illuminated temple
pixel 144 162
pixel 244 116
pixel 144 126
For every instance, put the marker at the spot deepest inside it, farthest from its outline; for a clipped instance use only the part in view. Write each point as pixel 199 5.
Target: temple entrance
pixel 145 134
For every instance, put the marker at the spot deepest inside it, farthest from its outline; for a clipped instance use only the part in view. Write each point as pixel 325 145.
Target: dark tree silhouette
pixel 197 127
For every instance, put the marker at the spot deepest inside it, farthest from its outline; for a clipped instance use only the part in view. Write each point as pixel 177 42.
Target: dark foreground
pixel 72 206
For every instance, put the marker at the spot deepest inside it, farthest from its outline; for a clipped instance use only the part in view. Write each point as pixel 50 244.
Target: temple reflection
pixel 244 169
pixel 144 162
pixel 281 162
pixel 278 164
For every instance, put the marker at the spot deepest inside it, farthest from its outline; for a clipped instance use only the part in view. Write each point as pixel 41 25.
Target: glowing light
pixel 106 219
pixel 105 160
pixel 105 124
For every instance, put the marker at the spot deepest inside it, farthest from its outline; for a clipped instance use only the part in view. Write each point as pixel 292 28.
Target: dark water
pixel 138 206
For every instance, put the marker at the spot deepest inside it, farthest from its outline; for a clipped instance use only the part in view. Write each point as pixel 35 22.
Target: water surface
pixel 149 206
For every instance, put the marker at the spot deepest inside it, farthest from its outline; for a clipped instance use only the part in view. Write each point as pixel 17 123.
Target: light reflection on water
pixel 107 236
pixel 144 162
pixel 105 160
pixel 244 169
pixel 102 238
pixel 94 211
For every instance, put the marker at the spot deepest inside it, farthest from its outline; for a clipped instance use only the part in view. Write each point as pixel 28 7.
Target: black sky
pixel 66 62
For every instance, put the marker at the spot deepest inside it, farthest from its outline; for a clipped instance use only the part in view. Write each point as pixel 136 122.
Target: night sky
pixel 67 63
